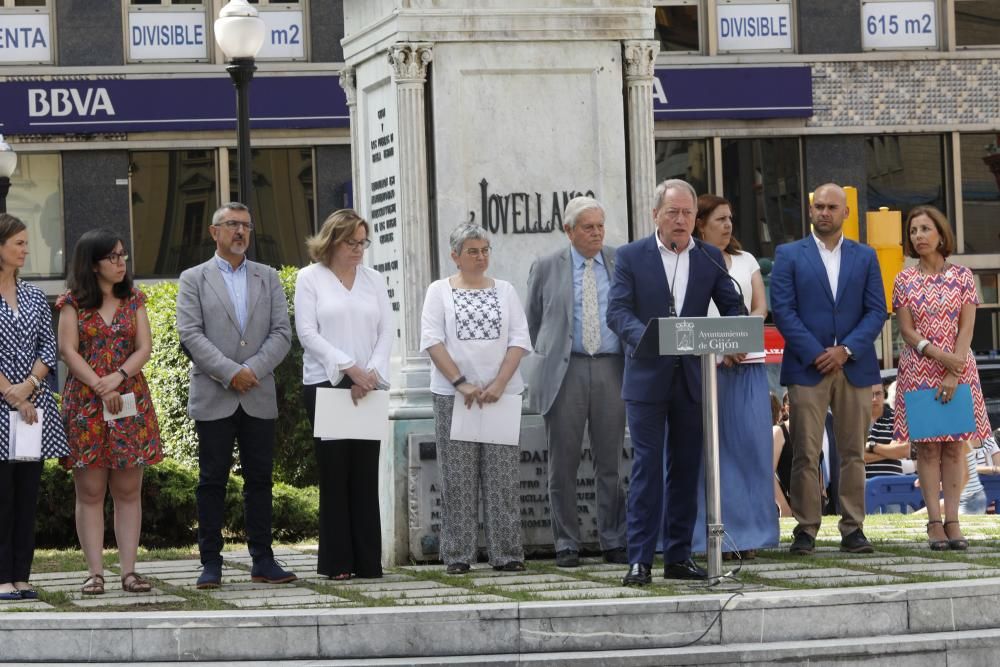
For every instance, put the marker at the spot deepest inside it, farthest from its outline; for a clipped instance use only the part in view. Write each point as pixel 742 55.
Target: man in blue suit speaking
pixel 663 275
pixel 828 302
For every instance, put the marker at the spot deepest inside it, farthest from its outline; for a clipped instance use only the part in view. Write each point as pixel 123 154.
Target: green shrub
pixel 169 509
pixel 167 373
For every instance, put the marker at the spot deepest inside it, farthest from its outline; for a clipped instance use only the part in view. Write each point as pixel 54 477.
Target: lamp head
pixel 239 31
pixel 8 159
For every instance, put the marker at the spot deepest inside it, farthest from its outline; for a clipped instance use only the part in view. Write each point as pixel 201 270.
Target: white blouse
pixel 476 327
pixel 743 267
pixel 340 327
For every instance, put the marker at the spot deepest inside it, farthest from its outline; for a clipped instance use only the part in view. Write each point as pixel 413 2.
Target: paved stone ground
pixel 894 561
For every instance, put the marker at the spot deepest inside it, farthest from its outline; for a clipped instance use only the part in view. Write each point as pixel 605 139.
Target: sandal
pixel 935 545
pixel 343 576
pixel 93 585
pixel 133 583
pixel 958 544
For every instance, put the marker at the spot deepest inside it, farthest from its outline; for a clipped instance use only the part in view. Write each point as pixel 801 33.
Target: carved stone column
pixel 639 59
pixel 409 63
pixel 349 84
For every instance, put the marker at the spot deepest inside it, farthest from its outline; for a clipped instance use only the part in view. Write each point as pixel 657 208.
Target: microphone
pixel 725 272
pixel 673 282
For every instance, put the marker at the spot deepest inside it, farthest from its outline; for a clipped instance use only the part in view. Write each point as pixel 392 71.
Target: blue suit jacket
pixel 811 319
pixel 639 292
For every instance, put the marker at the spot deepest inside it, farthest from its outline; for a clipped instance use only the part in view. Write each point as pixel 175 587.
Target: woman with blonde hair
pixel 345 324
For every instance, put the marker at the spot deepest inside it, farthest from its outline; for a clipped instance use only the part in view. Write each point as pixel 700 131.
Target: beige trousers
pixel 851 407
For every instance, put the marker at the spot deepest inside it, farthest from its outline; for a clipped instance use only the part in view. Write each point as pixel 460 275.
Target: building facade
pixel 121 113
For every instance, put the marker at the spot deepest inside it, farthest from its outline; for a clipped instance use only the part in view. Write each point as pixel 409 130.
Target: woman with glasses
pixel 475 331
pixel 345 324
pixel 27 356
pixel 105 340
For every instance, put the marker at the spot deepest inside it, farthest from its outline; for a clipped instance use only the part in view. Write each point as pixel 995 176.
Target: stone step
pixel 718 624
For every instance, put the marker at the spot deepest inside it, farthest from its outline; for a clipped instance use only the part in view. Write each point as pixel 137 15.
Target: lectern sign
pixel 711 335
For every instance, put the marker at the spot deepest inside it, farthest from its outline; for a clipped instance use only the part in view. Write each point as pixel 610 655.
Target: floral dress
pixel 935 302
pixel 95 443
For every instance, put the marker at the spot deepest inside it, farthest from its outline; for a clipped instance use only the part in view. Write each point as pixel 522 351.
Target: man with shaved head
pixel 828 302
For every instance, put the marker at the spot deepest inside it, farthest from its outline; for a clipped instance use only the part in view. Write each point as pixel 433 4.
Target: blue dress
pixel 746 465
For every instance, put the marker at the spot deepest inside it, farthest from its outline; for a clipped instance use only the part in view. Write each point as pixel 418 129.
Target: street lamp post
pixel 239 32
pixel 8 163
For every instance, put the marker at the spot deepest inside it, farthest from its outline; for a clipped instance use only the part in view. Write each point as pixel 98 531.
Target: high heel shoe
pixel 936 545
pixel 959 544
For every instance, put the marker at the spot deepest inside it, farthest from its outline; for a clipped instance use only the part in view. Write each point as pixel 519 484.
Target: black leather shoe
pixel 211 575
pixel 618 555
pixel 856 543
pixel 804 544
pixel 510 566
pixel 457 568
pixel 639 574
pixel 686 569
pixel 568 558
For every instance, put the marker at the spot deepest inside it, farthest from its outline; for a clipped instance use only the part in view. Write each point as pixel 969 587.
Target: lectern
pixel 708 338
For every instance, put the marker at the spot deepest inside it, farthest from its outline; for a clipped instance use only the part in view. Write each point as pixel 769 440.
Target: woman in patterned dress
pixel 475 331
pixel 935 304
pixel 105 340
pixel 27 355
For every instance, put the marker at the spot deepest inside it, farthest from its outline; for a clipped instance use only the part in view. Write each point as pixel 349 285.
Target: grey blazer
pixel 550 322
pixel 209 330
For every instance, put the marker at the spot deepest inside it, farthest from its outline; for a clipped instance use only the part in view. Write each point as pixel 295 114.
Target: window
pixel 174 194
pixel 686 159
pixel 36 198
pixel 26 32
pixel 282 205
pixel 980 154
pixel 678 26
pixel 762 179
pixel 977 23
pixel 904 171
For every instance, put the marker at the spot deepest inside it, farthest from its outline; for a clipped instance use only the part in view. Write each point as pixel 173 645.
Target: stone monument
pixel 496 112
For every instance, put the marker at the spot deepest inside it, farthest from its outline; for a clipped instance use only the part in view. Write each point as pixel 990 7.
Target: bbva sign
pixel 58 102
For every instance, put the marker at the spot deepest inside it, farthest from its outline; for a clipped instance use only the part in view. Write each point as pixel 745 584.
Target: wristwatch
pixel 850 355
pixel 870 447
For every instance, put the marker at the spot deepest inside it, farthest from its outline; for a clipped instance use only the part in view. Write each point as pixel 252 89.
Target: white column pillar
pixel 349 84
pixel 639 58
pixel 409 63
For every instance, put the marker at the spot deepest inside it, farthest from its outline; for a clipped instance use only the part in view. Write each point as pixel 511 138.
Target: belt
pixel 599 355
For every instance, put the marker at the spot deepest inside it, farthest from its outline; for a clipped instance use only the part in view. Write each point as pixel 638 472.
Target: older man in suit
pixel 828 303
pixel 232 318
pixel 577 380
pixel 663 275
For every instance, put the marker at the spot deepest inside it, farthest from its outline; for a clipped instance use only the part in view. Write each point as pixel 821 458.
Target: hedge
pixel 167 373
pixel 169 510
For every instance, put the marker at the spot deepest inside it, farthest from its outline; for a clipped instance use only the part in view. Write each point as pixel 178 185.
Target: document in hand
pixel 928 417
pixel 128 408
pixel 25 439
pixel 337 418
pixel 496 423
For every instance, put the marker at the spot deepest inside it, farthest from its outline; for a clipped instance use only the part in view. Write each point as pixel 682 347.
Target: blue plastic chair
pixel 991 484
pixel 885 491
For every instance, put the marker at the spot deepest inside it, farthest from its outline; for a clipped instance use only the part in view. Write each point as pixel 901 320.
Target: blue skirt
pixel 746 463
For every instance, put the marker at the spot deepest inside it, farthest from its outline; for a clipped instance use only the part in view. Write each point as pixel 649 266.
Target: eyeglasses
pixel 478 252
pixel 674 213
pixel 364 243
pixel 116 257
pixel 233 225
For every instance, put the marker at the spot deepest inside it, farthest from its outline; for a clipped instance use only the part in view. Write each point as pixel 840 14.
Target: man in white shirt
pixel 828 303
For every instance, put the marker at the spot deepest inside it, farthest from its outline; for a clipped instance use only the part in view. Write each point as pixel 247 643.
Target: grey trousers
pixel 465 466
pixel 590 396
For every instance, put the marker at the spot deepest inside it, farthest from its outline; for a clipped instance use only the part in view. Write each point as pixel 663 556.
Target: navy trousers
pixel 666 464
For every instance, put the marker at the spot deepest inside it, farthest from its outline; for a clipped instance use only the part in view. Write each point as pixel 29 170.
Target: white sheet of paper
pixel 337 418
pixel 128 408
pixel 495 423
pixel 25 439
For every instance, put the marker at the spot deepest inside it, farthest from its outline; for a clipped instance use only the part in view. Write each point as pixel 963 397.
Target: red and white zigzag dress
pixel 935 302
